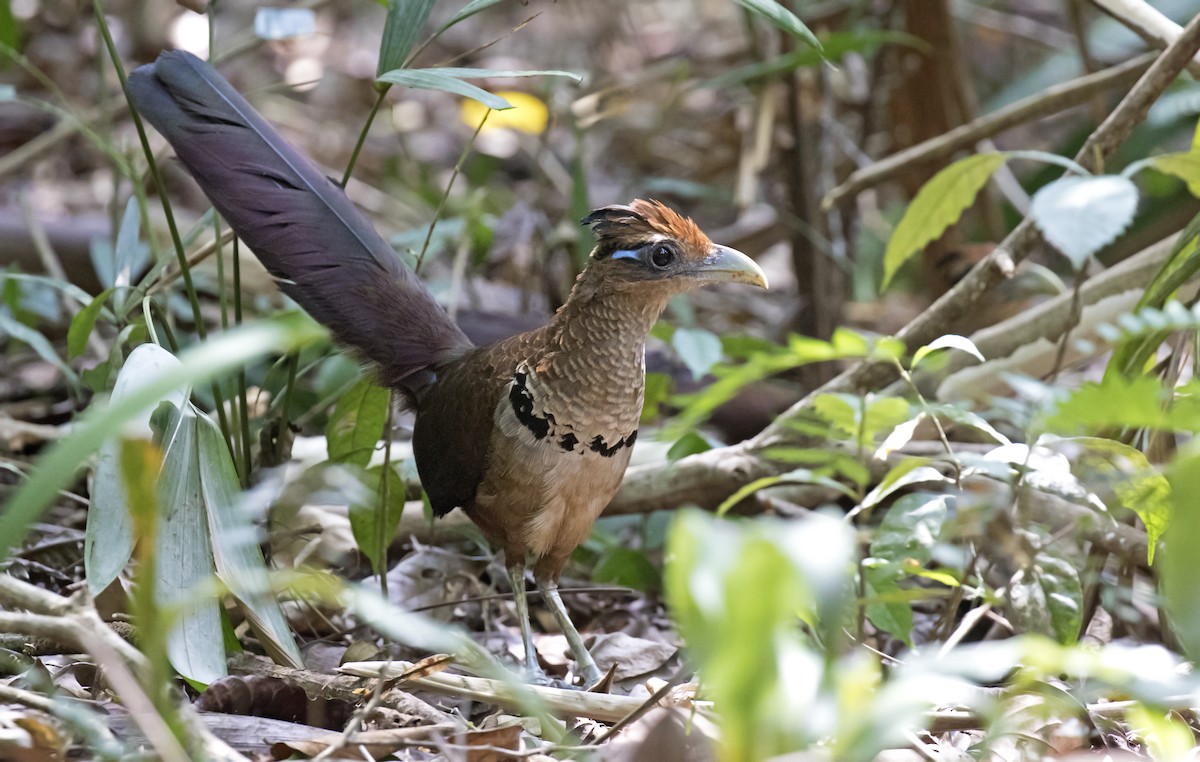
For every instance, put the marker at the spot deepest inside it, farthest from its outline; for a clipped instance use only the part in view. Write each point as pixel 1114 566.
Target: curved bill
pixel 725 264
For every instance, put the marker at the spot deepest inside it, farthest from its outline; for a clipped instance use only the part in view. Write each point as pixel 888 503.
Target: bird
pixel 531 435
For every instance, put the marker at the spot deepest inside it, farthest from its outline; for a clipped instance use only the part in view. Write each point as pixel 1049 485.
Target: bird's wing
pixel 302 226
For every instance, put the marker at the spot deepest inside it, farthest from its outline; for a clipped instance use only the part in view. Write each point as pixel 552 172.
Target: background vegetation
pixel 932 496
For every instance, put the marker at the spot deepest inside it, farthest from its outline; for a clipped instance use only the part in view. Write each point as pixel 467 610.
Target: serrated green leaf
pixel 782 18
pixel 699 349
pixel 357 422
pixel 1116 401
pixel 937 206
pixel 83 323
pixel 1082 215
pixel 1184 165
pixel 404 21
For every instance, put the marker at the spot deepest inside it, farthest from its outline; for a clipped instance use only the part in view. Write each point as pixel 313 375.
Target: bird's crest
pixel 628 225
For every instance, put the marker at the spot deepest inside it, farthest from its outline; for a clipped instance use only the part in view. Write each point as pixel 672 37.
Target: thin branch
pixel 1050 101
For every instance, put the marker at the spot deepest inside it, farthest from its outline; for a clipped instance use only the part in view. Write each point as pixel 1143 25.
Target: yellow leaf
pixel 528 114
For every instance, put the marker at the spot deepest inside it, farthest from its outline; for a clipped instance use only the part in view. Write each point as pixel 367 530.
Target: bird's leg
pixel 516 575
pixel 587 665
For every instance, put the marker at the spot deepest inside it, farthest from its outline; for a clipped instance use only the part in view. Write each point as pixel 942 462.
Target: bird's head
pixel 648 245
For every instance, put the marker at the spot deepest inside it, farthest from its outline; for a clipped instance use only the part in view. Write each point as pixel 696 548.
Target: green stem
pixel 462 158
pixel 362 135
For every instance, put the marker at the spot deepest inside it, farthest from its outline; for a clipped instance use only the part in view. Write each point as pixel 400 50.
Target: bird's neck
pixel 607 324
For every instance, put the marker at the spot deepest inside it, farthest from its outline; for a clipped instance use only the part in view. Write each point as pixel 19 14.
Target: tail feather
pixel 303 227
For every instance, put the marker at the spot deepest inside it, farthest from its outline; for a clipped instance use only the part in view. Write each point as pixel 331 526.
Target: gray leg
pixel 587 665
pixel 516 576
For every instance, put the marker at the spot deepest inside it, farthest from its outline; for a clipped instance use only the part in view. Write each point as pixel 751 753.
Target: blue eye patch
pixel 625 254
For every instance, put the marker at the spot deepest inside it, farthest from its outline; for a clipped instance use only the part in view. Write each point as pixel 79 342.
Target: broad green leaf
pixel 690 443
pixel 374 522
pixel 699 349
pixel 1163 734
pixel 907 534
pixel 60 462
pixel 1082 215
pixel 195 644
pixel 961 417
pixel 949 341
pixel 1177 567
pixel 783 18
pixel 108 539
pixel 83 323
pixel 235 546
pixel 404 21
pixel 937 206
pixel 627 567
pixel 1047 597
pixel 1185 166
pixel 885 605
pixel 357 422
pixel 1137 485
pixel 861 418
pixel 905 474
pixel 450 80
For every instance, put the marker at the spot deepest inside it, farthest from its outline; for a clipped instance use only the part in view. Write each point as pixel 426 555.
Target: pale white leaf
pixel 1082 215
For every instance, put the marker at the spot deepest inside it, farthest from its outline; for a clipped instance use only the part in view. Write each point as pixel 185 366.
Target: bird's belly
pixel 547 494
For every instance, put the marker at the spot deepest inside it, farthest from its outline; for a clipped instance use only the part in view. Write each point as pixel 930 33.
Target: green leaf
pixel 627 567
pixel 59 463
pixel 1082 215
pixel 937 206
pixel 357 422
pixel 905 474
pixel 1181 264
pixel 1114 401
pixel 1137 484
pixel 195 644
pixel 83 323
pixel 450 80
pixel 782 18
pixel 1184 165
pixel 10 34
pixel 108 538
pixel 690 443
pixel 1177 567
pixel 404 21
pixel 1047 597
pixel 236 552
pixel 861 418
pixel 699 349
pixel 949 341
pixel 466 12
pixel 374 523
pixel 39 344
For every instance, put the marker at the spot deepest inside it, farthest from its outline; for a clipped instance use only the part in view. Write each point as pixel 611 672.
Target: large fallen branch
pixel 708 478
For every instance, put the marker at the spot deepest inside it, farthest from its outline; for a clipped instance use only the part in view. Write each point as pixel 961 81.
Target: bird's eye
pixel 662 255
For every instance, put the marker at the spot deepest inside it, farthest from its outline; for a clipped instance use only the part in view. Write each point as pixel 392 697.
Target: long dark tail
pixel 302 226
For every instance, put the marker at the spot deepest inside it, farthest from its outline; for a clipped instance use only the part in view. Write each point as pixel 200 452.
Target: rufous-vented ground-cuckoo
pixel 531 435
